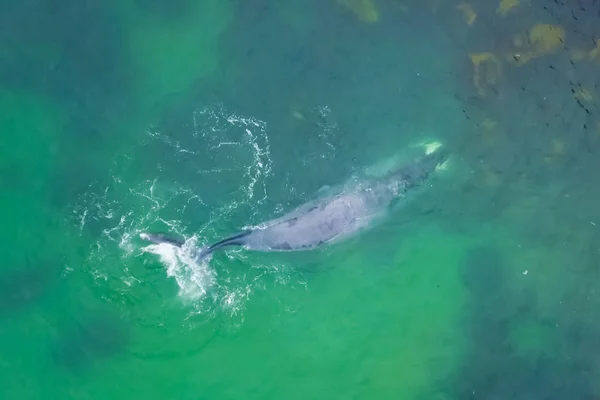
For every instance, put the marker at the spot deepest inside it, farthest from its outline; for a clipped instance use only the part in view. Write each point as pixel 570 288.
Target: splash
pixel 194 279
pixel 116 214
pixel 210 121
pixel 328 127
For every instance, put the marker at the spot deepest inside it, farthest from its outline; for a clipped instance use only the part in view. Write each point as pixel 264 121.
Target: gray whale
pixel 327 219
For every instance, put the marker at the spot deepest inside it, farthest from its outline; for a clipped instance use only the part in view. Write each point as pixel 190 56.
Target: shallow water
pixel 202 117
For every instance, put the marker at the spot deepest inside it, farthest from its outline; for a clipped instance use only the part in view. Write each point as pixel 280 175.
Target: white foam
pixel 125 212
pixel 194 278
pixel 217 127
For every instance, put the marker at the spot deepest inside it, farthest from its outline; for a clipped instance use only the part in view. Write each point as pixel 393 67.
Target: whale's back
pixel 323 222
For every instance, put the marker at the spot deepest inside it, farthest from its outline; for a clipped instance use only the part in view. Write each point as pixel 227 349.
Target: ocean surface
pixel 202 117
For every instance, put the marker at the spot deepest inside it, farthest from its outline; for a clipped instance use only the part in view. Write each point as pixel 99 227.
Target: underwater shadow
pixel 494 367
pixel 21 288
pixel 89 340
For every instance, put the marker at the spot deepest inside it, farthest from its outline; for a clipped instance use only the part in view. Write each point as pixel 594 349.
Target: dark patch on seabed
pixel 68 50
pixel 494 368
pixel 72 52
pixel 282 74
pixel 23 287
pixel 171 9
pixel 89 340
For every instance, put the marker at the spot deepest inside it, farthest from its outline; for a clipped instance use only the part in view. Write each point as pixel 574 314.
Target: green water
pixel 202 117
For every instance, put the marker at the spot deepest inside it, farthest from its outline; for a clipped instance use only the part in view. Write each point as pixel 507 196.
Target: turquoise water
pixel 202 117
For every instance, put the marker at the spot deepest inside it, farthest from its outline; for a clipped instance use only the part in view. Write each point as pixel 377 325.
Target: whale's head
pixel 418 171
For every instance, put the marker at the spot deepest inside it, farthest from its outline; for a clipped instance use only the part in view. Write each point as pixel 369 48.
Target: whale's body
pixel 327 219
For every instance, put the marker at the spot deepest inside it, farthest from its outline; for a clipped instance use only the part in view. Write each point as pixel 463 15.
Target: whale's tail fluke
pixel 159 238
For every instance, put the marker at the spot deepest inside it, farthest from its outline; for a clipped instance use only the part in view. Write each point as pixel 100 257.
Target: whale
pixel 326 219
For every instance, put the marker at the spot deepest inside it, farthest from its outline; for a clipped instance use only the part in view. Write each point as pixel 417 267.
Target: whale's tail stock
pixel 160 238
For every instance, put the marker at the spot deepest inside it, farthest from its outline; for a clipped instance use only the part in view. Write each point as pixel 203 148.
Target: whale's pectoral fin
pixel 323 189
pixel 284 246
